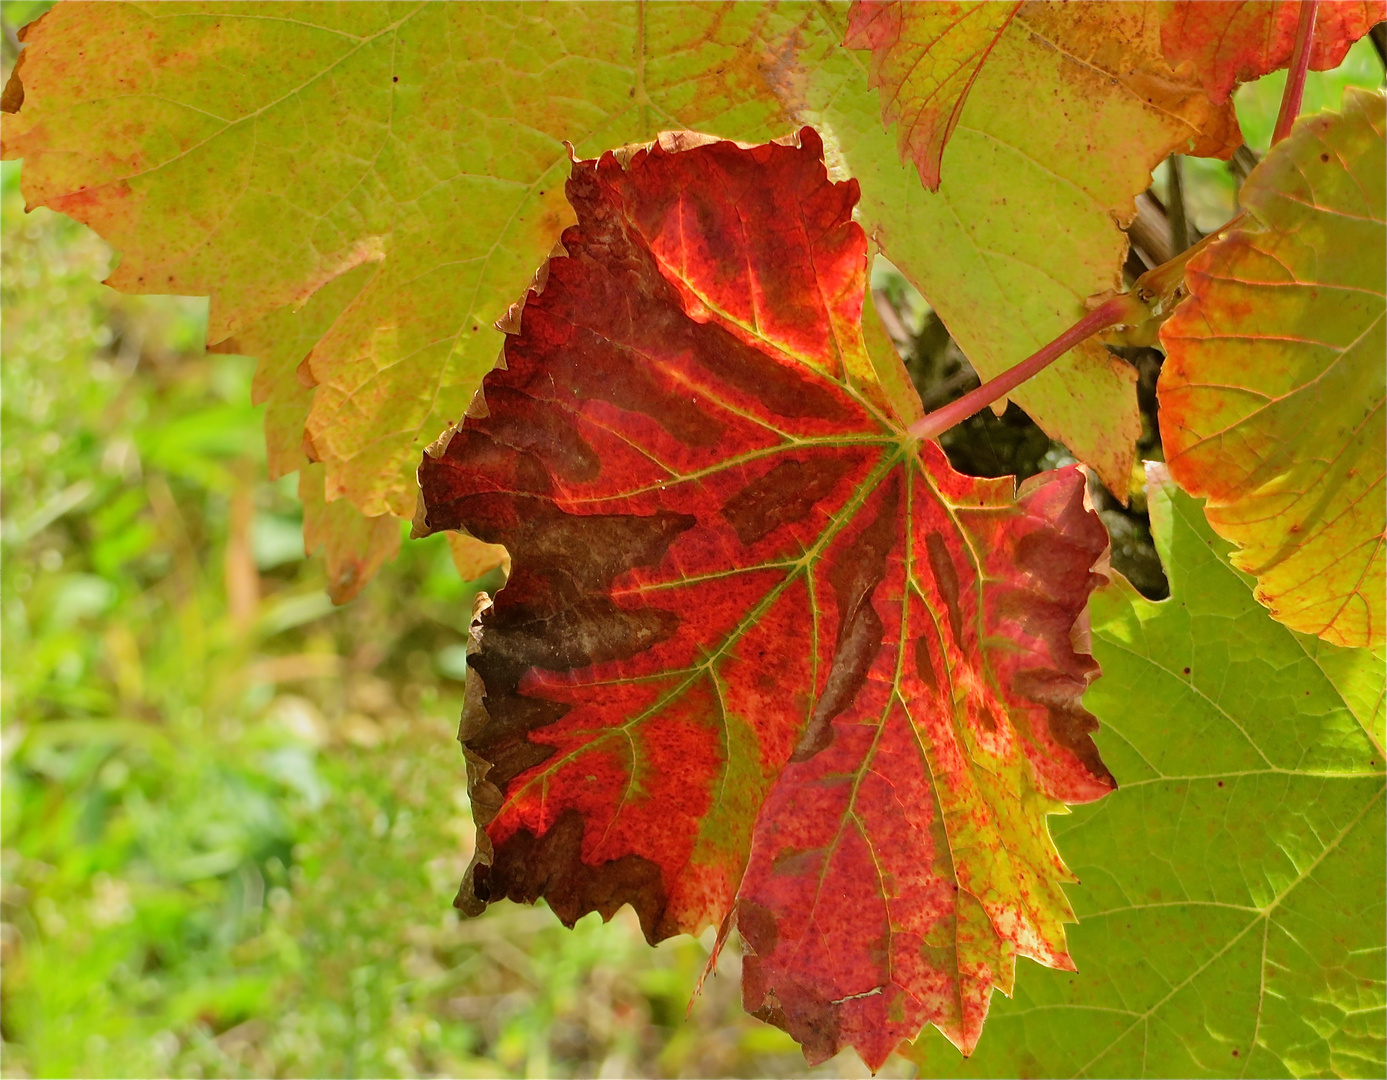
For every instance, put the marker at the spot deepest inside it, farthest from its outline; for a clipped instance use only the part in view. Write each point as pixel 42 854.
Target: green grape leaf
pixel 1232 912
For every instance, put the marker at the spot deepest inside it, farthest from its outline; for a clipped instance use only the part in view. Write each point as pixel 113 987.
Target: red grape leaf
pixel 1233 41
pixel 1273 388
pixel 924 60
pixel 762 657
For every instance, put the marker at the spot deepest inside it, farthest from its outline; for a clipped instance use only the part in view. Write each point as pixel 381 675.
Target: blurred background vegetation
pixel 234 816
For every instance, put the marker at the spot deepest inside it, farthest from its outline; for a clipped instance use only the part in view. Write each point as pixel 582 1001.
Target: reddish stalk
pixel 1295 77
pixel 1123 308
pixel 1151 300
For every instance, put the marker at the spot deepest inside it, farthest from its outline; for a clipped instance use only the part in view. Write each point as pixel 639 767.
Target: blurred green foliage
pixel 234 817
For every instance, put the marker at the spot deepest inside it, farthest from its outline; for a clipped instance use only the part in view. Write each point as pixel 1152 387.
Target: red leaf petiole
pixel 1151 300
pixel 1295 78
pixel 1122 308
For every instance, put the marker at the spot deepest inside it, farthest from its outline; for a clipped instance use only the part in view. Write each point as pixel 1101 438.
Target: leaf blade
pixel 1231 910
pixel 256 154
pixel 1272 394
pixel 1003 287
pixel 924 62
pixel 1233 42
pixel 686 477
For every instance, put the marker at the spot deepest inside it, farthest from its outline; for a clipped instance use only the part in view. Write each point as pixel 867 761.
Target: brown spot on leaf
pixel 785 494
pixel 778 387
pixel 520 424
pixel 809 1017
pixel 13 97
pixel 946 578
pixel 756 924
pixel 924 665
pixel 556 612
pixel 1070 724
pixel 525 868
pixel 855 577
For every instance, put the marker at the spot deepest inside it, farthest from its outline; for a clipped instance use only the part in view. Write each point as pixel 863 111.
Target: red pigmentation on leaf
pixel 760 653
pixel 1236 41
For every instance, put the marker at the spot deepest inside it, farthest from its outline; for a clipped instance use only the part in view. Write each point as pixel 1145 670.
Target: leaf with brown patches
pixel 1227 42
pixel 760 654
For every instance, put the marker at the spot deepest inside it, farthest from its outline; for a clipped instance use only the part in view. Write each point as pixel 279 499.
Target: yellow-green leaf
pixel 256 152
pixel 1272 393
pixel 1072 109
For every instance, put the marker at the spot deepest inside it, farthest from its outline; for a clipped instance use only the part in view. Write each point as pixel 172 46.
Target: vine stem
pixel 1295 78
pixel 1133 307
pixel 1152 298
pixel 1123 308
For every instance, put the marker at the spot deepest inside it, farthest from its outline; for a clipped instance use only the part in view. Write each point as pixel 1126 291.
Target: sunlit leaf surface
pixel 1231 916
pixel 1272 393
pixel 761 656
